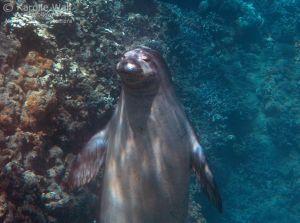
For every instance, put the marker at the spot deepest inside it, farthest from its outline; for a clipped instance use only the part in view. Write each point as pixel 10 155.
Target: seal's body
pixel 147 166
pixel 147 149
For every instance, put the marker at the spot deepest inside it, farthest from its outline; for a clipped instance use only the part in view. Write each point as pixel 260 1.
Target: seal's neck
pixel 135 110
pixel 135 102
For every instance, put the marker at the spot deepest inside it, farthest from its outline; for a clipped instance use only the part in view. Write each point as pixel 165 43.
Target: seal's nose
pixel 127 66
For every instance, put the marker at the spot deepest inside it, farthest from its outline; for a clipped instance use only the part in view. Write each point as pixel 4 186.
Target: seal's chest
pixel 148 176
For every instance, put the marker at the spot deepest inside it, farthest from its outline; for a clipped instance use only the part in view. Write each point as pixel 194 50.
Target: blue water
pixel 240 84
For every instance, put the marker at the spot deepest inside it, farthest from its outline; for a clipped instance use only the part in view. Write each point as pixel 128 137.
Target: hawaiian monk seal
pixel 147 149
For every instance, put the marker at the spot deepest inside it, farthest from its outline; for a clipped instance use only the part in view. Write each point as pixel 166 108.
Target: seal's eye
pixel 145 58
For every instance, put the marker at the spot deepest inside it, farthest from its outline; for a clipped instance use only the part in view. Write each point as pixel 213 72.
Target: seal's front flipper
pixel 205 176
pixel 89 161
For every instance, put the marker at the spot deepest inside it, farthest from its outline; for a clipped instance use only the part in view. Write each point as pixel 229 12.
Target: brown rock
pixel 37 106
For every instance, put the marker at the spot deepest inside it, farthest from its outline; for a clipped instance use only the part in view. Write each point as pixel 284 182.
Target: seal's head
pixel 140 69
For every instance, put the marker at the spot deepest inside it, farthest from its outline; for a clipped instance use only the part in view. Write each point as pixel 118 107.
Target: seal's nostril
pixel 129 67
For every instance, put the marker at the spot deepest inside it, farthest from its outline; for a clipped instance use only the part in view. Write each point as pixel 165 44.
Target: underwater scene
pixel 155 111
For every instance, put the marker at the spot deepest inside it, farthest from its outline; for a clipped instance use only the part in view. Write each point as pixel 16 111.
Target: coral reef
pixel 58 86
pixel 9 52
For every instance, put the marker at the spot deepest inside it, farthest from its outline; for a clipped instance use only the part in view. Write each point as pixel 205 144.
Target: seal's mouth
pixel 130 71
pixel 138 72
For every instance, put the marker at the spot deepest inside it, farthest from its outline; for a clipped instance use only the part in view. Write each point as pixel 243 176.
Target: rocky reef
pixel 235 64
pixel 58 86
